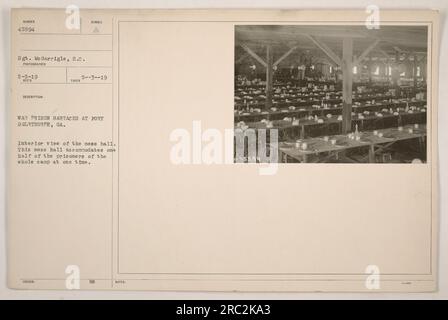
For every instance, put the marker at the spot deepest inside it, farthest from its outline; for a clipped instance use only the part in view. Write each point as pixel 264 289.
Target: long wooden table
pixel 306 100
pixel 310 128
pixel 319 150
pixel 300 112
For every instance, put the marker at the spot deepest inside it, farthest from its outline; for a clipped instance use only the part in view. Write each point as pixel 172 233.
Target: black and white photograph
pixel 331 94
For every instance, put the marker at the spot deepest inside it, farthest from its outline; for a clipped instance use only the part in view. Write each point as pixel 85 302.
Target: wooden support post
pixel 423 68
pixel 414 72
pixel 347 84
pixel 369 68
pixel 387 63
pixel 371 153
pixel 396 74
pixel 269 76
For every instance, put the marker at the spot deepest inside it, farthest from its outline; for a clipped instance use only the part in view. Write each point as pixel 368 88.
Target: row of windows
pixel 377 71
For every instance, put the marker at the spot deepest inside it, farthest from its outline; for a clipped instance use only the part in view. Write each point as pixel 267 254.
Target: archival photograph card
pixel 223 150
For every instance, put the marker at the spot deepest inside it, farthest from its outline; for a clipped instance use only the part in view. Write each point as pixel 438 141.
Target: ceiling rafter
pixel 254 55
pixel 366 52
pixel 330 53
pixel 240 59
pixel 285 55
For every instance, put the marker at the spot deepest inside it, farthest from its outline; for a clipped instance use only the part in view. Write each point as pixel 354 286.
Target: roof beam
pixel 366 52
pixel 385 54
pixel 333 56
pixel 407 56
pixel 254 55
pixel 284 56
pixel 240 59
pixel 422 59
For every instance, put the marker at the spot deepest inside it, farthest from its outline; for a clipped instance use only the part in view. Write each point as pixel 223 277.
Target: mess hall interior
pixel 333 94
